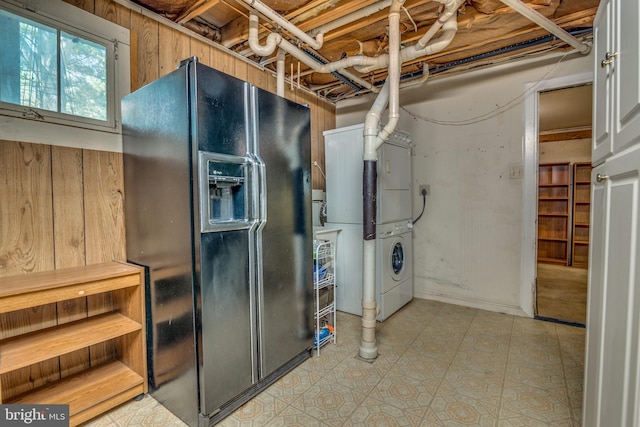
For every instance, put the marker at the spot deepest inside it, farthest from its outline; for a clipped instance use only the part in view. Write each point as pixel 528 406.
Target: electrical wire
pixel 424 204
pixel 491 114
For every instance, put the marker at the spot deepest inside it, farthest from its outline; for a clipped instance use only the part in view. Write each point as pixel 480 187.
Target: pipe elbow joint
pixel 273 41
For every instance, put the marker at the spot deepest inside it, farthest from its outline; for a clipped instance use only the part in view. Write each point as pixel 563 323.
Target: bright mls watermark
pixel 34 415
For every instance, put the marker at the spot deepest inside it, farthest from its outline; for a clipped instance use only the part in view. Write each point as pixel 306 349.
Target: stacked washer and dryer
pixel 394 269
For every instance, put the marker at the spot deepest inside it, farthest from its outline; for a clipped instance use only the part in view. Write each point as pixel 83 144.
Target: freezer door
pixel 228 334
pixel 285 243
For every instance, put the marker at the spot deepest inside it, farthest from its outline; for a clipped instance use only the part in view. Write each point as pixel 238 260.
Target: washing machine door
pixel 396 259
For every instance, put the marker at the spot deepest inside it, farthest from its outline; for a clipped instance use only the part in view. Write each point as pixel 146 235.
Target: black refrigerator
pixel 218 209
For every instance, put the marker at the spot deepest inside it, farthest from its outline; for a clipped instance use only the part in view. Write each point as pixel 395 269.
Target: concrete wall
pixel 468 245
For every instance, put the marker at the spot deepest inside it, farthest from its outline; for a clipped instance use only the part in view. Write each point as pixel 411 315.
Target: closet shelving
pixel 554 184
pixel 581 208
pixel 324 293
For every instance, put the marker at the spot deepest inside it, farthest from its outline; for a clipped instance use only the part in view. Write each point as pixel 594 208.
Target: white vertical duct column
pixel 372 141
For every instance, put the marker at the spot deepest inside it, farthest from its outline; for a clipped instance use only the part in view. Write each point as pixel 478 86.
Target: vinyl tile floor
pixel 438 365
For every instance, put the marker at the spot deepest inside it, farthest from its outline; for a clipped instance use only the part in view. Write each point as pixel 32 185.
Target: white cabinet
pixel 612 381
pixel 616 120
pixel 612 366
pixel 324 286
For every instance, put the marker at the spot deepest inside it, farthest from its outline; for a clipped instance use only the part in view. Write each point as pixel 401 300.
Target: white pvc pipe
pixel 275 17
pixel 372 140
pixel 275 40
pixel 425 46
pixel 547 24
pixel 280 72
pixel 351 17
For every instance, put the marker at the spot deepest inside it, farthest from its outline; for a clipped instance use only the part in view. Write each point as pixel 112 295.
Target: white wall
pixel 468 244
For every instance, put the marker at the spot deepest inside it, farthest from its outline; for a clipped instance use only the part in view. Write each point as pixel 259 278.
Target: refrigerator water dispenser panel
pixel 224 202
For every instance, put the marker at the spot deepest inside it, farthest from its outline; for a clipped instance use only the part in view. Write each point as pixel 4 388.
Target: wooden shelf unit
pixel 98 388
pixel 581 209
pixel 553 213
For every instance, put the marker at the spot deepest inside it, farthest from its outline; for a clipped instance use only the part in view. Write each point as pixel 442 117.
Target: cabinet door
pixel 602 85
pixel 627 74
pixel 612 381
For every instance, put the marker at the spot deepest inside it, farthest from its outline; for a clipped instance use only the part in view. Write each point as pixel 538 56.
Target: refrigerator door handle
pixel 263 194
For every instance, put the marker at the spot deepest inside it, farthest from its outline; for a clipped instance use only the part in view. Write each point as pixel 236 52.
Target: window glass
pixel 45 68
pixel 83 77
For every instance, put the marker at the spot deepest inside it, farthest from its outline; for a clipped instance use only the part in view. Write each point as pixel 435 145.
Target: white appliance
pixel 344 165
pixel 394 266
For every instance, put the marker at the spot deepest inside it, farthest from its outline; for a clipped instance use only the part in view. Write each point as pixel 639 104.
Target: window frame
pixel 29 123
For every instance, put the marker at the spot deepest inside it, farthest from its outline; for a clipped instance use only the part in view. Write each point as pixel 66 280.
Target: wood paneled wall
pixel 62 207
pixel 157 49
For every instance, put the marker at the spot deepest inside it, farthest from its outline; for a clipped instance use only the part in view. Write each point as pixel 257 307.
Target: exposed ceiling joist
pixel 484 26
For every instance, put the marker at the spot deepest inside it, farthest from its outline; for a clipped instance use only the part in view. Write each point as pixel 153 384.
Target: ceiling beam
pixel 198 8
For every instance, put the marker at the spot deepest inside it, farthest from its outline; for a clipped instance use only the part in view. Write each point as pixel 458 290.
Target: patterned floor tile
pixel 329 402
pixel 258 411
pixel 437 365
pixel 356 375
pixel 406 392
pixel 294 384
pixel 550 406
pixel 458 410
pixel 374 413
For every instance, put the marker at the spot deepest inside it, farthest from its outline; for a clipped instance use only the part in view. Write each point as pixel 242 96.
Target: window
pixel 61 65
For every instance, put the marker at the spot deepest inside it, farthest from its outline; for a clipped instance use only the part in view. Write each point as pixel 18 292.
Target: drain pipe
pixel 448 21
pixel 547 24
pixel 280 72
pixel 372 141
pixel 275 40
pixel 275 17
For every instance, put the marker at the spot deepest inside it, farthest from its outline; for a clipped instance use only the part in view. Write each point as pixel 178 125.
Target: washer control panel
pixel 394 228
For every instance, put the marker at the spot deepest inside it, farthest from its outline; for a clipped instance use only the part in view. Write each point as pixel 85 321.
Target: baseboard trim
pixel 473 303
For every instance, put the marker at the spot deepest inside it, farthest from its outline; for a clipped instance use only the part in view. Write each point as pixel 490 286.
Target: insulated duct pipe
pixel 372 141
pixel 547 24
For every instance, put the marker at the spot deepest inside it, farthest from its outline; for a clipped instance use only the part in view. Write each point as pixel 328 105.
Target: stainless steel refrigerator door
pixel 228 323
pixel 285 243
pixel 225 263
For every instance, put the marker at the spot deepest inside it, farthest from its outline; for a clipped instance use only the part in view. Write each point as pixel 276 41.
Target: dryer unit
pixel 344 163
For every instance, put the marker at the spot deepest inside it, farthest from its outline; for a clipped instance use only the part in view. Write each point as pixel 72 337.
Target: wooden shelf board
pixel 581 242
pixel 554 198
pixel 552 214
pixel 581 224
pixel 30 290
pixel 553 260
pixel 28 349
pixel 553 185
pixel 552 239
pixel 86 392
pixel 580 202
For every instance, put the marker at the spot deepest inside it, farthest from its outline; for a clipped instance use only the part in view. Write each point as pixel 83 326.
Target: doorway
pixel 564 174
